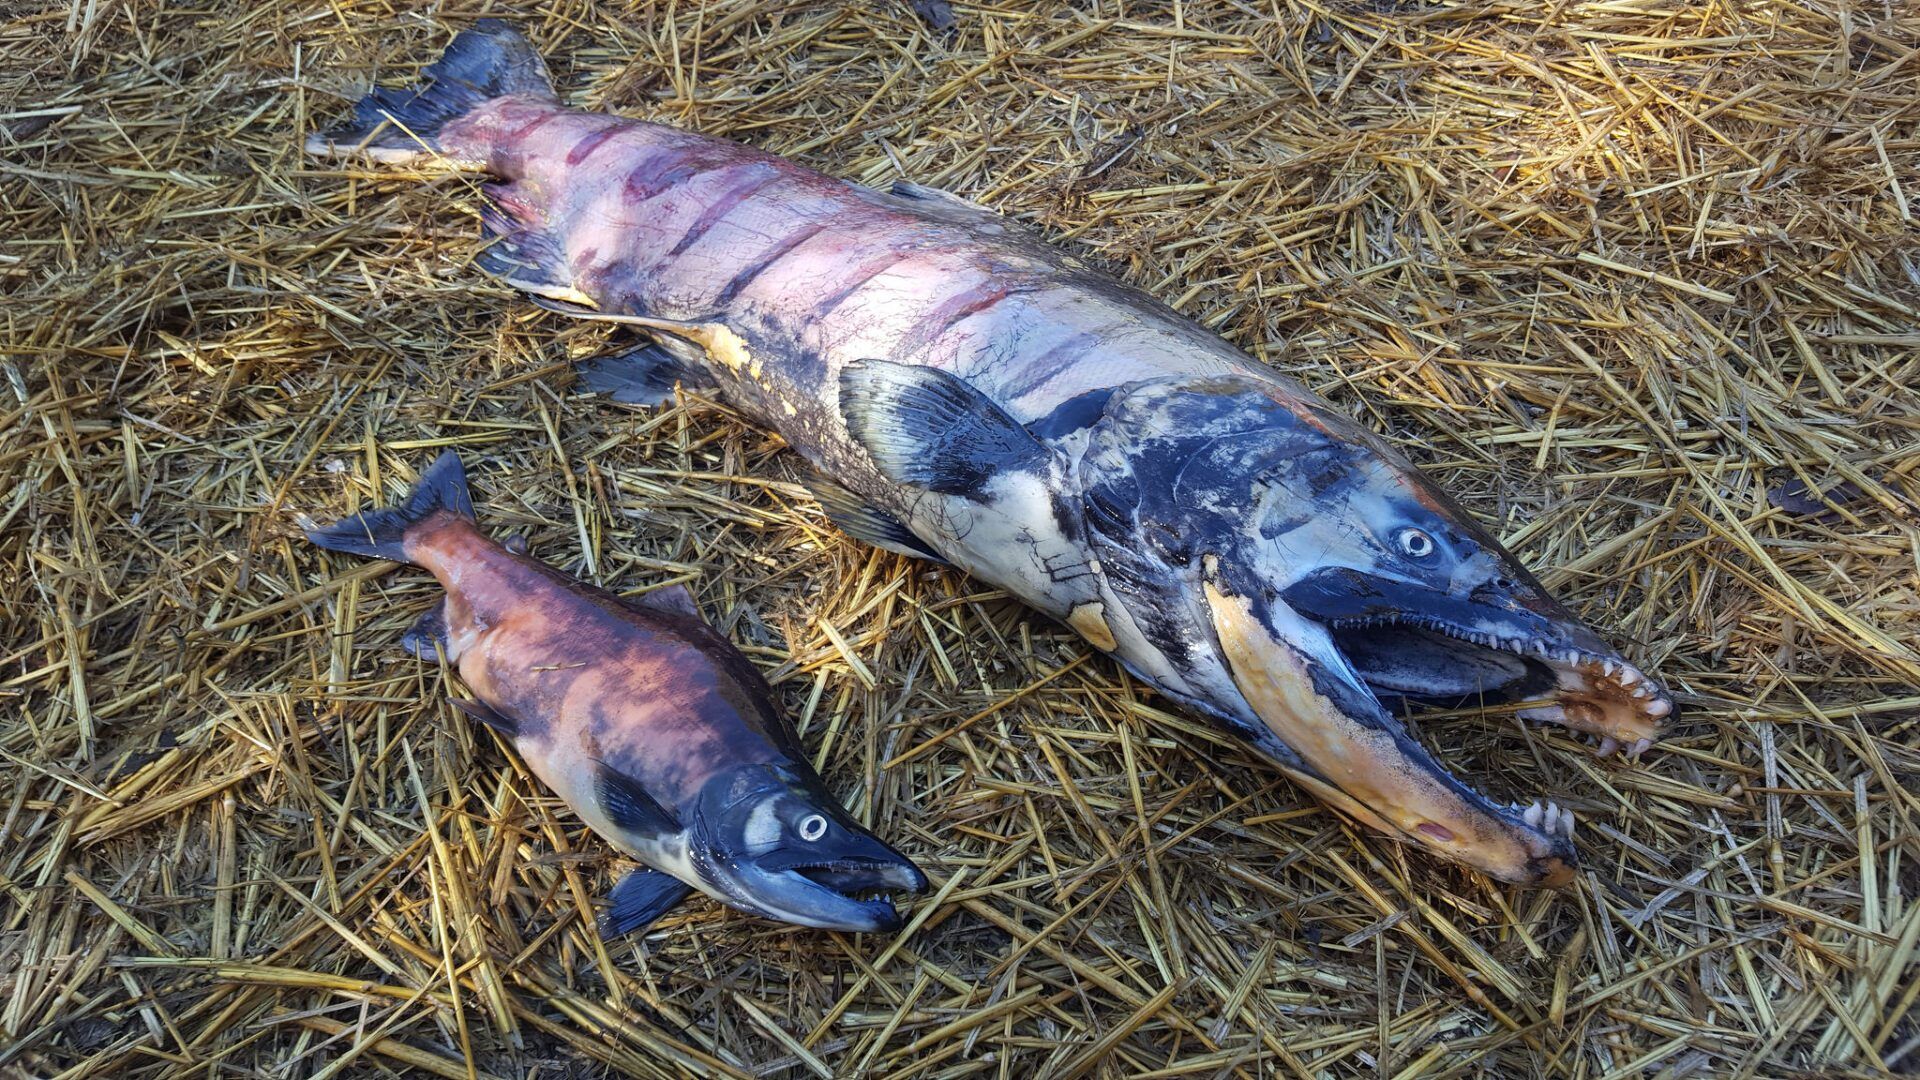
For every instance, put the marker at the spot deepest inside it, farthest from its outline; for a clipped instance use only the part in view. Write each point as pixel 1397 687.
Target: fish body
pixel 645 720
pixel 980 397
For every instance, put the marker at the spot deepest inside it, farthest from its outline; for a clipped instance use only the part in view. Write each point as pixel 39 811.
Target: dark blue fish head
pixel 1285 570
pixel 771 840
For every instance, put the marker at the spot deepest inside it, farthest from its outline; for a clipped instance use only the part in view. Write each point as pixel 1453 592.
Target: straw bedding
pixel 1637 279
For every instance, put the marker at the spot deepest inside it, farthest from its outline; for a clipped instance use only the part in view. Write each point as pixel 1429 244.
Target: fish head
pixel 1426 605
pixel 771 840
pixel 1284 570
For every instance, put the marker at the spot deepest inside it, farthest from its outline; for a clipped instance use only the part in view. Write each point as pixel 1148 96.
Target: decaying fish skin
pixel 982 398
pixel 645 720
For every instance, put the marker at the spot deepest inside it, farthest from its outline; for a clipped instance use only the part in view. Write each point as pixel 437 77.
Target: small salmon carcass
pixel 648 723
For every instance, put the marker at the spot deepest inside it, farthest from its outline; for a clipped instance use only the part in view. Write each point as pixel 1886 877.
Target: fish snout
pixel 841 886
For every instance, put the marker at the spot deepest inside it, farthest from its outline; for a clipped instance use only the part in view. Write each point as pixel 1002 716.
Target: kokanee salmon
pixel 641 717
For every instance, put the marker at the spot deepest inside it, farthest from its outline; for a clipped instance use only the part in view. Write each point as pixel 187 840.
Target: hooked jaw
pixel 1361 761
pixel 1311 661
pixel 1505 642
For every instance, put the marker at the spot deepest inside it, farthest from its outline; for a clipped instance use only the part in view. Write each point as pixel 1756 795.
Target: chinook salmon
pixel 658 733
pixel 982 398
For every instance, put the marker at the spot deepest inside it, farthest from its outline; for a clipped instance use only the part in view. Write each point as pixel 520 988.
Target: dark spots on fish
pixel 1330 474
pixel 1043 368
pixel 1067 521
pixel 952 312
pixel 758 176
pixel 586 146
pixel 526 130
pixel 1077 413
pixel 739 282
pixel 872 268
pixel 655 175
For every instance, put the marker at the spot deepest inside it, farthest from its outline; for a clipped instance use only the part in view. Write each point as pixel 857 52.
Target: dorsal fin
pixel 674 598
pixel 945 206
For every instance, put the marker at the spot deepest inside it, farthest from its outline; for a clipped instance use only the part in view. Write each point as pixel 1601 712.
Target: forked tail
pixel 399 124
pixel 383 533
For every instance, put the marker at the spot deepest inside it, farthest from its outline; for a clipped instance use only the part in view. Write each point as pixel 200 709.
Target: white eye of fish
pixel 1415 543
pixel 812 827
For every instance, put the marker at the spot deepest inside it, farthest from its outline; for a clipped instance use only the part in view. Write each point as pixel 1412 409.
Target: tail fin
pixel 383 533
pixel 489 60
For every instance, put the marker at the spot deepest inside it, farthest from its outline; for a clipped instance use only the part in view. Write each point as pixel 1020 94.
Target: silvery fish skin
pixel 658 733
pixel 980 397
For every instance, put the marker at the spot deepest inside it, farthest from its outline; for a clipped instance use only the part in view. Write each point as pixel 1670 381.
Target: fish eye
pixel 1415 543
pixel 812 827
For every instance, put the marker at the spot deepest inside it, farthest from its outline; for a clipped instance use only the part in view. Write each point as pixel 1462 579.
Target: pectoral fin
pixel 523 253
pixel 929 429
pixel 488 715
pixel 629 806
pixel 866 523
pixel 637 900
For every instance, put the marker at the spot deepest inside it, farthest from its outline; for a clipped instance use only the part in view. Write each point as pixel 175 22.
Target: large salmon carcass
pixel 979 397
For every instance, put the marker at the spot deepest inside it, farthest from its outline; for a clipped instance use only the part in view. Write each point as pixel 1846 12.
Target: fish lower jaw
pixel 1597 695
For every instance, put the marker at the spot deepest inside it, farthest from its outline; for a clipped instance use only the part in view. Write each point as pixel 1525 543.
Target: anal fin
pixel 523 253
pixel 867 523
pixel 639 899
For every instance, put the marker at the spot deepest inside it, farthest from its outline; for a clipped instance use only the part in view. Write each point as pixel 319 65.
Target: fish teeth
pixel 1608 745
pixel 1658 708
pixel 1550 818
pixel 1639 747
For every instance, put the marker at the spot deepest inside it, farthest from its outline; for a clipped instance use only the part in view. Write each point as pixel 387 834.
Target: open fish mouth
pixel 1315 661
pixel 848 894
pixel 1599 694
